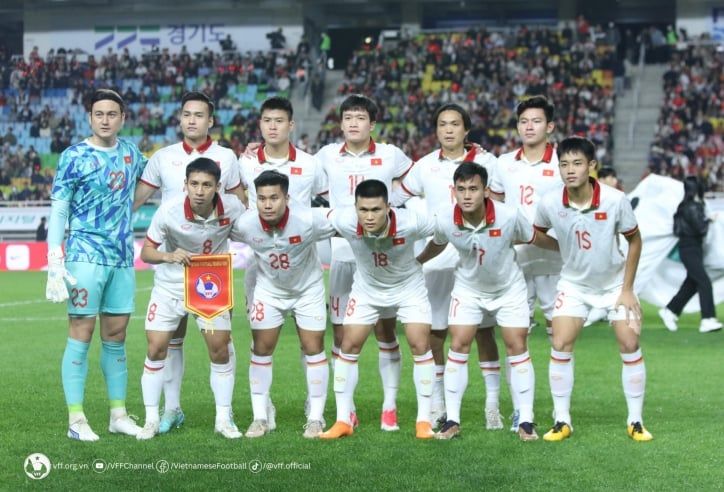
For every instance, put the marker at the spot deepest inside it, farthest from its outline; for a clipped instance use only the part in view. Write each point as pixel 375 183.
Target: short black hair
pixel 467 170
pixel 198 96
pixel 107 95
pixel 359 102
pixel 371 188
pixel 276 102
pixel 204 165
pixel 606 171
pixel 578 144
pixel 272 178
pixel 467 123
pixel 540 102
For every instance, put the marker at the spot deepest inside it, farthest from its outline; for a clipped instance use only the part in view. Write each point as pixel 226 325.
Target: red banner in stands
pixel 209 285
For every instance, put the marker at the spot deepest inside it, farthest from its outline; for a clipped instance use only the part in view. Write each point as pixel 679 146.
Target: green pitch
pixel 683 411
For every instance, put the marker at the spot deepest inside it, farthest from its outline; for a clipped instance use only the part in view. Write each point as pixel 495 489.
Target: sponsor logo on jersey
pixel 186 227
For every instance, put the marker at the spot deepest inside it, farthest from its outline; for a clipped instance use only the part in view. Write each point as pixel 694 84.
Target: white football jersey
pixel 166 169
pixel 386 267
pixel 589 239
pixel 345 170
pixel 306 176
pixel 286 253
pixel 431 178
pixel 487 257
pixel 176 226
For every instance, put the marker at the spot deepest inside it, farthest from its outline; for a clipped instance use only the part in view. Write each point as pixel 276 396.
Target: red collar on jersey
pixel 267 227
pixel 469 156
pixel 262 156
pixel 200 149
pixel 547 155
pixel 393 226
pixel 190 213
pixel 489 213
pixel 595 200
pixel 370 149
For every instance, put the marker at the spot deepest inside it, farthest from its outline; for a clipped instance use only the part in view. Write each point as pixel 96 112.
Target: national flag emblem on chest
pixel 600 216
pixel 494 233
pixel 396 241
pixel 224 222
pixel 376 161
pixel 127 159
pixel 547 172
pixel 295 239
pixel 297 171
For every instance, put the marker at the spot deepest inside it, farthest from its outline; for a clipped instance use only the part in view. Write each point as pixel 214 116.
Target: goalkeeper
pixel 93 192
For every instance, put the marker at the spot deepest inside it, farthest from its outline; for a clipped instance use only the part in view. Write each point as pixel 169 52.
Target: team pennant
pixel 600 216
pixel 296 171
pixel 209 285
pixel 376 161
pixel 547 172
pixel 494 232
pixel 295 239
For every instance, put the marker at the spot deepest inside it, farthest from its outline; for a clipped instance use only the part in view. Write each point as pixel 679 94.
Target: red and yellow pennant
pixel 209 285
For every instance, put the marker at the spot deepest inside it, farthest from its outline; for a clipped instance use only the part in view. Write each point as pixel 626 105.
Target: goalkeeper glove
pixel 55 289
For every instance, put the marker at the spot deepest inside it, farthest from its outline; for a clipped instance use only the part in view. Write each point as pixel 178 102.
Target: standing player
pixel 305 173
pixel 284 239
pixel 198 223
pixel 522 178
pixel 488 284
pixel 431 177
pixel 93 191
pixel 587 219
pixel 346 165
pixel 166 171
pixel 388 280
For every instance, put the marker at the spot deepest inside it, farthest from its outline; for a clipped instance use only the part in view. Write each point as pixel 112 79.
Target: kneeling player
pixel 588 219
pixel 198 223
pixel 488 284
pixel 387 278
pixel 284 241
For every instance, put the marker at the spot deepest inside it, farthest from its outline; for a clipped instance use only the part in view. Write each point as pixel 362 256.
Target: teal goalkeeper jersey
pixel 99 184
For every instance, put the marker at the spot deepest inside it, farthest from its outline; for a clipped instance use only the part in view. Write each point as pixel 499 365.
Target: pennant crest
pixel 209 285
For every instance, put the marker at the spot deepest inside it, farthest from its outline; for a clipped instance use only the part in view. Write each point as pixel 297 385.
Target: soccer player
pixel 306 180
pixel 346 165
pixel 198 223
pixel 431 177
pixel 522 178
pixel 388 281
pixel 284 240
pixel 488 284
pixel 587 219
pixel 166 171
pixel 93 192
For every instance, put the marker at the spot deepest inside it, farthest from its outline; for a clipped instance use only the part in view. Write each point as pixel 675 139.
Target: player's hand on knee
pixel 56 289
pixel 180 256
pixel 630 303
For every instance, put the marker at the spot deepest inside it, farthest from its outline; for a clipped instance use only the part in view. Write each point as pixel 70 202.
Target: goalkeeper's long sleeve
pixel 59 211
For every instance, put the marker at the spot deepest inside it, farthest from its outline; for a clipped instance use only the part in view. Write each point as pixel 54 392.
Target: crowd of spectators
pixel 489 73
pixel 690 130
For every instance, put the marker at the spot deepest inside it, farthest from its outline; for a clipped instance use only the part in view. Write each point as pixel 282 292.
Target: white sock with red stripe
pixel 456 380
pixel 633 377
pixel 232 355
pixel 346 375
pixel 423 374
pixel 508 374
pixel 151 386
pixel 260 380
pixel 335 356
pixel 560 378
pixel 389 365
pixel 173 374
pixel 438 388
pixel 490 370
pixel 317 381
pixel 522 382
pixel 222 384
